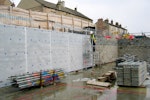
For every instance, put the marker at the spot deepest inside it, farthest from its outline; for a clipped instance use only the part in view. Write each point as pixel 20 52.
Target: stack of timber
pixel 131 73
pixel 97 83
pixel 107 77
pixel 104 80
pixel 42 78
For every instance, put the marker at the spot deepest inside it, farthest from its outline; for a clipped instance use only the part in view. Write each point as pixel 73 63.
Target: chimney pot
pixel 117 24
pixel 75 8
pixel 100 20
pixel 106 20
pixel 111 22
pixel 120 25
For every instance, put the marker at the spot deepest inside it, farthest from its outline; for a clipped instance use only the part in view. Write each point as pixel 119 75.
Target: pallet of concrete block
pixel 123 75
pixel 120 75
pixel 134 73
pixel 139 73
pixel 126 69
pixel 127 81
pixel 137 81
pixel 148 68
pixel 127 75
pixel 119 70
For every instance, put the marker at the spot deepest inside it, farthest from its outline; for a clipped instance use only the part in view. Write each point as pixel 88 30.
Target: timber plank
pixel 103 84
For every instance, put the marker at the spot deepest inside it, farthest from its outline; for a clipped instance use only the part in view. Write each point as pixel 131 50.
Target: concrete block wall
pixel 107 50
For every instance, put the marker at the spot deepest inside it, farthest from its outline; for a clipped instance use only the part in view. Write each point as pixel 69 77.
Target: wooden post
pixel 10 13
pixel 72 22
pixel 61 23
pixel 47 21
pixel 30 17
pixel 81 23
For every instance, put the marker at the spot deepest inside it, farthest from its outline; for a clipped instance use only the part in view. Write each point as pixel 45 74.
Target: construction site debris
pixel 113 75
pixel 97 83
pixel 81 80
pixel 102 79
pixel 107 77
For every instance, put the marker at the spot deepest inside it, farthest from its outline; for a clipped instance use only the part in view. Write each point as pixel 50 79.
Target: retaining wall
pixel 25 50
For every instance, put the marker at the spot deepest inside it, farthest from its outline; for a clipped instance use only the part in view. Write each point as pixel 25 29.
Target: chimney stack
pixel 63 3
pixel 117 24
pixel 111 22
pixel 100 20
pixel 120 25
pixel 60 4
pixel 75 8
pixel 106 20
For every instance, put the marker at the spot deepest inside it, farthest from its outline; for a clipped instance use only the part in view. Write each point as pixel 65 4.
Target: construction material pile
pixel 104 80
pixel 42 78
pixel 131 73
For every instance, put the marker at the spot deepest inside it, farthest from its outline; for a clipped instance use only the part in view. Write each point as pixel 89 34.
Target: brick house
pixel 109 28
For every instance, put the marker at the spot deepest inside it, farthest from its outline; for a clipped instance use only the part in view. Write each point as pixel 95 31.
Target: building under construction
pixel 44 42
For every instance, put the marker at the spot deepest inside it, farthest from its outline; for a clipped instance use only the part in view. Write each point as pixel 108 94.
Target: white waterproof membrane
pixel 25 50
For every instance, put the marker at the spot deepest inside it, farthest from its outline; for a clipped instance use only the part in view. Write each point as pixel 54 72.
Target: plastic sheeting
pixel 25 50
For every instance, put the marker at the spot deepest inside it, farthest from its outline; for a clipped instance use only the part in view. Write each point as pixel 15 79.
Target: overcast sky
pixel 132 14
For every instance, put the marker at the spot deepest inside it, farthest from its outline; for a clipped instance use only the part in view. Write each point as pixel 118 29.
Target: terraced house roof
pixel 61 8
